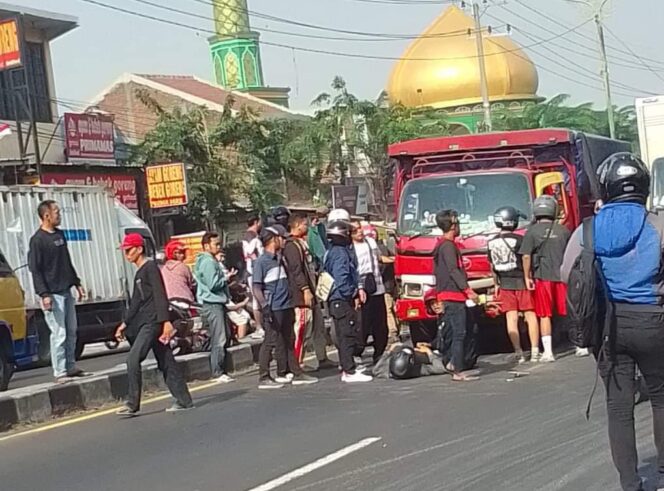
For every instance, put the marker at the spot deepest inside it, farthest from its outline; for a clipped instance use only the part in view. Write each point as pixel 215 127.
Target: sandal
pixel 464 378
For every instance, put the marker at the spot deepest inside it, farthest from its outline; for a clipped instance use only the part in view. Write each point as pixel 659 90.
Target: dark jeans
pixel 455 317
pixel 280 339
pixel 374 322
pixel 214 315
pixel 639 342
pixel 347 332
pixel 145 340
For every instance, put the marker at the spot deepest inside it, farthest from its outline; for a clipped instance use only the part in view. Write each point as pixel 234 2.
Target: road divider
pixel 43 402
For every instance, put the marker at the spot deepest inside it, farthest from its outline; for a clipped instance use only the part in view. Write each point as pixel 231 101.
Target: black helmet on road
pixel 339 229
pixel 506 218
pixel 545 206
pixel 624 177
pixel 402 363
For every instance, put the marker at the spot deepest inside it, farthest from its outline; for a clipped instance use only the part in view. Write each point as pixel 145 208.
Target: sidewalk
pixel 37 402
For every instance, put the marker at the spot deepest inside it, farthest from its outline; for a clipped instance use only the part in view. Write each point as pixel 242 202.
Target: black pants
pixel 145 340
pixel 455 317
pixel 347 332
pixel 639 342
pixel 280 339
pixel 374 322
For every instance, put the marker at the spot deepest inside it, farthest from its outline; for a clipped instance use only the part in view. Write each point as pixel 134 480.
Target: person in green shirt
pixel 316 236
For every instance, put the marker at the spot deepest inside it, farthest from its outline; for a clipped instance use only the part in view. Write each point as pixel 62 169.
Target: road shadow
pixel 219 398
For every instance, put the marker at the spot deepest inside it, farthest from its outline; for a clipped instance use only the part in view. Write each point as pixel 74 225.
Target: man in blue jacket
pixel 629 243
pixel 345 298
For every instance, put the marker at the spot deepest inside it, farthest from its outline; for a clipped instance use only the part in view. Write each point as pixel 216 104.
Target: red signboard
pixel 123 186
pixel 89 136
pixel 10 45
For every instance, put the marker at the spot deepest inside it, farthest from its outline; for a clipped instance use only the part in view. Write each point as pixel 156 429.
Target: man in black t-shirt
pixel 511 292
pixel 147 326
pixel 53 276
pixel 543 249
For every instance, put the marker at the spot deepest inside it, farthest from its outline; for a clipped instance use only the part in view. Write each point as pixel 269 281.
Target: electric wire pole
pixel 486 104
pixel 605 73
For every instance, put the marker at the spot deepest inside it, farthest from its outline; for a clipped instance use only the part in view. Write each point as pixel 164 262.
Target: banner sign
pixel 167 185
pixel 89 136
pixel 353 199
pixel 10 45
pixel 123 186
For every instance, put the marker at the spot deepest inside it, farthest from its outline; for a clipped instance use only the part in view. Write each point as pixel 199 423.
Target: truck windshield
pixel 475 197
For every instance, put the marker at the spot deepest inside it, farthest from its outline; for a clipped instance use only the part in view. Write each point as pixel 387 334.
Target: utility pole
pixel 486 104
pixel 605 73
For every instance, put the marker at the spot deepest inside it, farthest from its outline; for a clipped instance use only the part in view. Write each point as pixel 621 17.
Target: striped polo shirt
pixel 270 273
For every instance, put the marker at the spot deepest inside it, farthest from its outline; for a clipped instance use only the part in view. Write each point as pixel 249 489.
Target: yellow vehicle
pixel 17 347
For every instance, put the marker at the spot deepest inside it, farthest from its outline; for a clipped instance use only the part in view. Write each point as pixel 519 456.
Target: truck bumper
pixel 412 309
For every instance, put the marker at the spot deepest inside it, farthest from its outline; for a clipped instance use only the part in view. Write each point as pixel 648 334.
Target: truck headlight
pixel 413 290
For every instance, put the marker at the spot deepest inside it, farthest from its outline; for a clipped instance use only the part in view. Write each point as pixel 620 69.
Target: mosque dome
pixel 440 69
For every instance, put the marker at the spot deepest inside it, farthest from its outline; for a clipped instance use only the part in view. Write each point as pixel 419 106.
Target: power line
pixel 588 38
pixel 322 51
pixel 650 69
pixel 460 32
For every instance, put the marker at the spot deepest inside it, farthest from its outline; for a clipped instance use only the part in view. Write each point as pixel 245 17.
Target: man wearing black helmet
pixel 279 215
pixel 511 292
pixel 542 249
pixel 628 246
pixel 345 298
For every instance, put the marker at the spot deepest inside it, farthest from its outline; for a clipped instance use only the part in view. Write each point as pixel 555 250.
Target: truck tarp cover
pixel 589 152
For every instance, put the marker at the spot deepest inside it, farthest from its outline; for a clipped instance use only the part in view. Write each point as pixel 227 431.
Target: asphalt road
pixel 499 433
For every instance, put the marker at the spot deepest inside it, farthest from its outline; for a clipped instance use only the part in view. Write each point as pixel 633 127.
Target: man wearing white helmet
pixel 338 215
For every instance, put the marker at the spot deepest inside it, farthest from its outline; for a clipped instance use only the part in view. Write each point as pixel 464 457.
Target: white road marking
pixel 328 459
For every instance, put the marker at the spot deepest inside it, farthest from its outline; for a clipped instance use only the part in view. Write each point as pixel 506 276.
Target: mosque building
pixel 440 70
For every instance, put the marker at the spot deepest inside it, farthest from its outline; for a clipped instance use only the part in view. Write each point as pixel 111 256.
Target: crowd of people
pixel 298 271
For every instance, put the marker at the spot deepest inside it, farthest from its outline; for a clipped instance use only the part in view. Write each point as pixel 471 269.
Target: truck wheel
pixel 6 370
pixel 80 346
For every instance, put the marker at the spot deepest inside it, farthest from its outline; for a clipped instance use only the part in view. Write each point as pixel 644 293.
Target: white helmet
pixel 338 214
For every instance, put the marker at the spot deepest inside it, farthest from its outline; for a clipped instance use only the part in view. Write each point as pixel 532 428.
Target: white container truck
pixel 94 224
pixel 650 120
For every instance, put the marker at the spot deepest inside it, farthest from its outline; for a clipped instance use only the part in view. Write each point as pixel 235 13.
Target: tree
pixel 231 156
pixel 358 133
pixel 553 113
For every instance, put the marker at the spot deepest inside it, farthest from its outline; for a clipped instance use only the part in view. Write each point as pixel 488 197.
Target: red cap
pixel 171 247
pixel 132 240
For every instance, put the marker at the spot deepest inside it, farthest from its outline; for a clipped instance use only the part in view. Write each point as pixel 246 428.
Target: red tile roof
pixel 217 95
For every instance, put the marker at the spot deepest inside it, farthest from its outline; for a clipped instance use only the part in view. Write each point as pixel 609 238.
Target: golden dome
pixel 449 75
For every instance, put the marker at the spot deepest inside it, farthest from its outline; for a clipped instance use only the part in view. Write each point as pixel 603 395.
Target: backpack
pixel 586 294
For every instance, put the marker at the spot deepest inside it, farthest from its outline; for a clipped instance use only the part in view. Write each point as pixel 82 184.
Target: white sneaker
pixel 356 377
pixel 257 334
pixel 547 358
pixel 286 379
pixel 224 379
pixel 582 352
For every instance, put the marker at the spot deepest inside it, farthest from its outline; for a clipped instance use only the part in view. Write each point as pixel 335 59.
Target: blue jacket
pixel 341 264
pixel 628 244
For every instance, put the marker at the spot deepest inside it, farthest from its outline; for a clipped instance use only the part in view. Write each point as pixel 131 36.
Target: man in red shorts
pixel 511 293
pixel 543 249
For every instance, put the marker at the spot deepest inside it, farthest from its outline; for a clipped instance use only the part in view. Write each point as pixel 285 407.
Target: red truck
pixel 476 174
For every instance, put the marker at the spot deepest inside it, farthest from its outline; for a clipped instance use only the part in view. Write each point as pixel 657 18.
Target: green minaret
pixel 235 49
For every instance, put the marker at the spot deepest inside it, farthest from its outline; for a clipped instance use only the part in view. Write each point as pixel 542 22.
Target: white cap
pixel 338 214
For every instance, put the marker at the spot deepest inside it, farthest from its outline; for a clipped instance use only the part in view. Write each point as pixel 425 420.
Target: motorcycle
pixel 191 336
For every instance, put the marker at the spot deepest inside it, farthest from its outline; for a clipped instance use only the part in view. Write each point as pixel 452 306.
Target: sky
pixel 107 44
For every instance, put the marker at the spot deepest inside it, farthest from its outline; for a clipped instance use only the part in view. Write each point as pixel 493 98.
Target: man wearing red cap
pixel 147 326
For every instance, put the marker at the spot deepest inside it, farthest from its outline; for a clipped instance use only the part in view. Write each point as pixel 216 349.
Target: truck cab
pixel 474 175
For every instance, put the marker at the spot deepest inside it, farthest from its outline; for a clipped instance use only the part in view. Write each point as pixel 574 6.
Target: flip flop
pixel 465 378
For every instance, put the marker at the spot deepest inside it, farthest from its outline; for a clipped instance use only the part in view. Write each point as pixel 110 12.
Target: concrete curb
pixel 39 403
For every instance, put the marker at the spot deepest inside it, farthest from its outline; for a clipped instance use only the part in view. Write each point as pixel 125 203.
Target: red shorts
pixel 550 294
pixel 516 300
